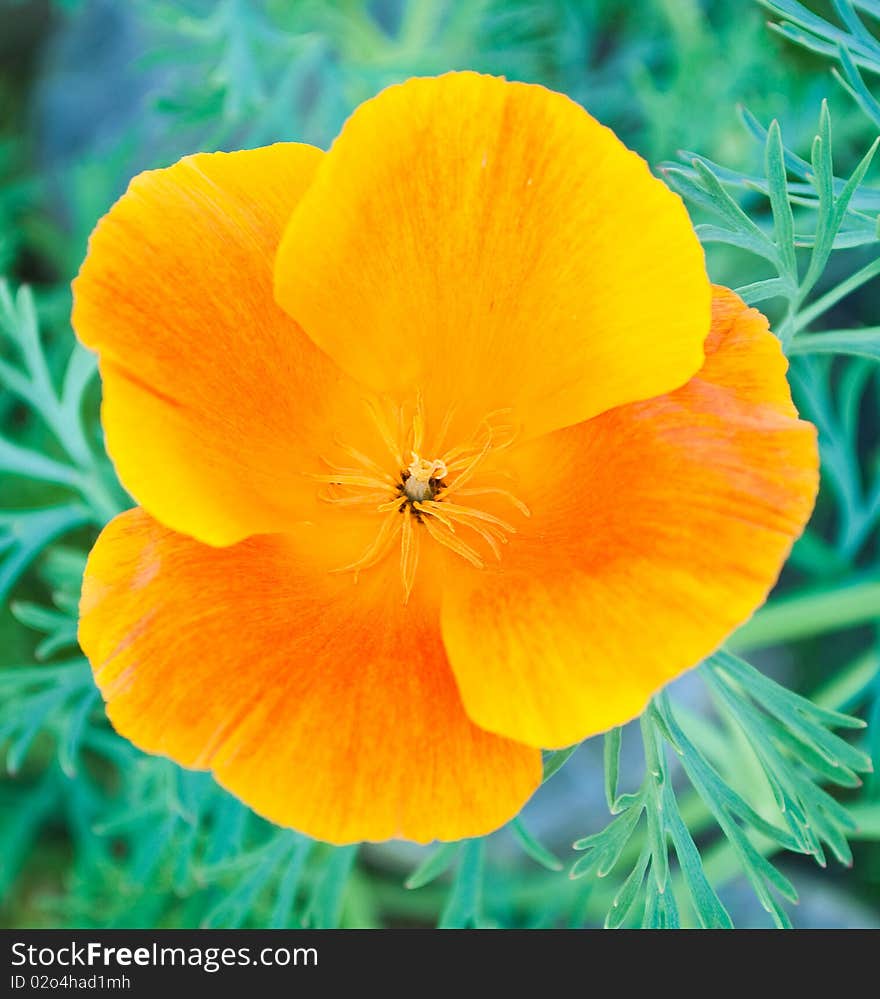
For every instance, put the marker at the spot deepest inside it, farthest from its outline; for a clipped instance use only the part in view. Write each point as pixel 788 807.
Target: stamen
pixel 504 435
pixel 453 543
pixel 491 535
pixel 377 550
pixel 469 461
pixel 491 542
pixel 469 468
pixel 494 491
pixel 419 494
pixel 362 459
pixel 361 499
pixel 444 428
pixel 351 479
pixel 418 434
pixel 409 556
pixel 395 505
pixel 456 452
pixel 469 511
pixel 384 431
pixel 429 507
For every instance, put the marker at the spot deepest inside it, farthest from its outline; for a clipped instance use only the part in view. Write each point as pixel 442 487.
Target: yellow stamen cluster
pixel 423 493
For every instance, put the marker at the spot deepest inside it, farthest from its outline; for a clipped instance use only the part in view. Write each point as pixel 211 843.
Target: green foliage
pixel 82 476
pixel 852 44
pixel 835 219
pixel 95 833
pixel 788 737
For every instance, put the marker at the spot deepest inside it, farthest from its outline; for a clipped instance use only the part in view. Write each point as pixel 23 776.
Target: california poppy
pixel 445 448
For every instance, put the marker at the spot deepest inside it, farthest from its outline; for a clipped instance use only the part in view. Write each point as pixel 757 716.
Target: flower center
pixel 425 497
pixel 423 479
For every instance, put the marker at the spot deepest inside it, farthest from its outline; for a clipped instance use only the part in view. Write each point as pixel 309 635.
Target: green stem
pixel 836 342
pixel 848 684
pixel 803 615
pixel 807 315
pixel 99 497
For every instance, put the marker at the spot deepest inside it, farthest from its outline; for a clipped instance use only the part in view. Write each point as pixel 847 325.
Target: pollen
pixel 426 499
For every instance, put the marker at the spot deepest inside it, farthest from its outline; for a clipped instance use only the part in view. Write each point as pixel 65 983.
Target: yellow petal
pixel 215 402
pixel 656 529
pixel 494 245
pixel 325 705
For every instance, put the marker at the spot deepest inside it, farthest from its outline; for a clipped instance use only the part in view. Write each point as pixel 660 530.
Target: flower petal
pixel 656 529
pixel 214 399
pixel 324 705
pixel 494 245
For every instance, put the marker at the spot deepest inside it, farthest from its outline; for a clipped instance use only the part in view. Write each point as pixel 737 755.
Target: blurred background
pixel 91 91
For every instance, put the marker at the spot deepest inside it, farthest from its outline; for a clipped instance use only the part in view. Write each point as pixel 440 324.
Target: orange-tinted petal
pixel 494 245
pixel 325 705
pixel 656 529
pixel 214 400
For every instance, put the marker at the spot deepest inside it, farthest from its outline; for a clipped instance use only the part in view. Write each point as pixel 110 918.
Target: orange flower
pixel 488 465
